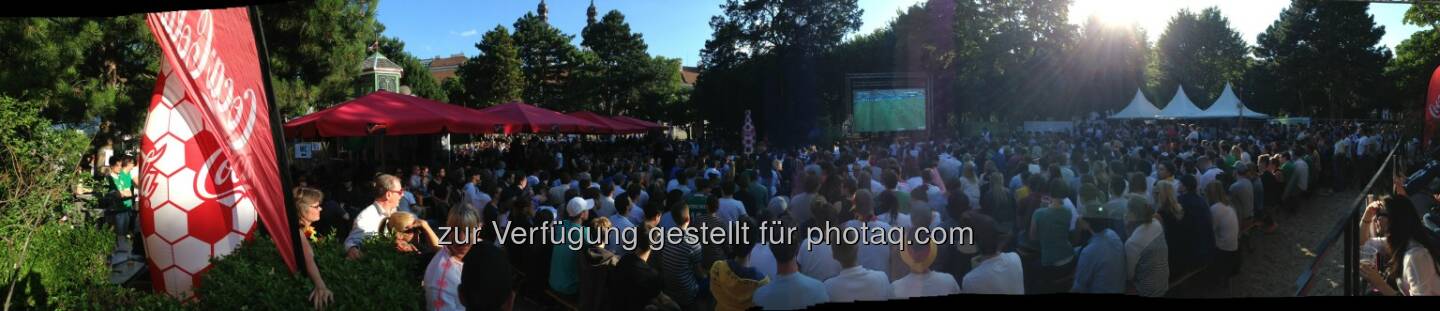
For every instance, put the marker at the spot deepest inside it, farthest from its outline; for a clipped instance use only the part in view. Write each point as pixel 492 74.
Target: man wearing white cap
pixel 564 275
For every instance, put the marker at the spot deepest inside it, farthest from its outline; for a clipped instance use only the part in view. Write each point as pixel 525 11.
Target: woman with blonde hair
pixel 308 202
pixel 412 235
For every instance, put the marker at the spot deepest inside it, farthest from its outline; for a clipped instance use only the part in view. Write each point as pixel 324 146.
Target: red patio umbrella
pixel 643 123
pixel 397 114
pixel 612 126
pixel 524 118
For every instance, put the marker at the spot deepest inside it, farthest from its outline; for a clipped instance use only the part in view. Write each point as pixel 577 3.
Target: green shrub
pixel 65 268
pixel 255 278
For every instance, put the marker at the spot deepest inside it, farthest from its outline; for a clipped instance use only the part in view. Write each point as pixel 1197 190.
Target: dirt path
pixel 1275 260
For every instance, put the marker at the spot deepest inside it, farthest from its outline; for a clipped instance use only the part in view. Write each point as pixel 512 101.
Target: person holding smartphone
pixel 1410 252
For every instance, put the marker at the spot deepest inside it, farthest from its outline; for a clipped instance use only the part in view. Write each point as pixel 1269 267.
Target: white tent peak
pixel 1180 107
pixel 1139 108
pixel 1229 105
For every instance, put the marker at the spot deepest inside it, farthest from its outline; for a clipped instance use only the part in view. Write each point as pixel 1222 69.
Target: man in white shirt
pixel 368 222
pixel 1302 173
pixel 1208 172
pixel 854 282
pixel 605 205
pixel 730 208
pixel 872 256
pixel 995 272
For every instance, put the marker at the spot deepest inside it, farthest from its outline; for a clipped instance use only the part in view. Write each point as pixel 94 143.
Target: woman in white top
pixel 1226 228
pixel 442 276
pixel 1411 251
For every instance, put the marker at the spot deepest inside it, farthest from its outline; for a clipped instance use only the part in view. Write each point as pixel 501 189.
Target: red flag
pixel 210 169
pixel 1432 106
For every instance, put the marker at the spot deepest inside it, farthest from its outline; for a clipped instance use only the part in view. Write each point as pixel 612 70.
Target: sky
pixel 678 29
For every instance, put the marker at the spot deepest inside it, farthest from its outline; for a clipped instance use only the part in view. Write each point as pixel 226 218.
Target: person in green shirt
pixel 759 195
pixel 1051 228
pixel 123 207
pixel 697 199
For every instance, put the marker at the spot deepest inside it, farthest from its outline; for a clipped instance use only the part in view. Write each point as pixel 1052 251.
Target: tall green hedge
pixel 254 278
pixel 54 262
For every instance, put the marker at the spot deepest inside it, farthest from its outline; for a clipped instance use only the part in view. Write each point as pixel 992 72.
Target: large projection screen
pixel 889 110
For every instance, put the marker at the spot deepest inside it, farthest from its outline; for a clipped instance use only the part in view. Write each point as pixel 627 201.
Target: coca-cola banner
pixel 209 170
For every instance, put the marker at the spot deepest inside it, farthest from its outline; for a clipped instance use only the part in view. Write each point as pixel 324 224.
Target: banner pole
pixel 277 132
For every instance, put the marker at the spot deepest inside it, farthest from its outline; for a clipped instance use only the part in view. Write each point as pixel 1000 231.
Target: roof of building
pixel 378 62
pixel 444 68
pixel 689 75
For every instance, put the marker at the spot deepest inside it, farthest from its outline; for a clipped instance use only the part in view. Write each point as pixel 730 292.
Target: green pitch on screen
pixel 889 110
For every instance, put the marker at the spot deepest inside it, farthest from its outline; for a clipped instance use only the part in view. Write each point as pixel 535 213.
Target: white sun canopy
pixel 1180 107
pixel 1230 106
pixel 1139 108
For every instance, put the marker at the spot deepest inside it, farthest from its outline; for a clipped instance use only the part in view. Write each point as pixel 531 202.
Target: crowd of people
pixel 1101 208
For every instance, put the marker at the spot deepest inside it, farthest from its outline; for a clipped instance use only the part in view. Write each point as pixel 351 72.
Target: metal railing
pixel 1347 231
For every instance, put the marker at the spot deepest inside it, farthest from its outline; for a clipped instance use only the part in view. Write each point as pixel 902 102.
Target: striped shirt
pixel 679 262
pixel 1148 260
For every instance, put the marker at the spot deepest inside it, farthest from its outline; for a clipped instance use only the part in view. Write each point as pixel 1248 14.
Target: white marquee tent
pixel 1139 108
pixel 1230 106
pixel 1180 107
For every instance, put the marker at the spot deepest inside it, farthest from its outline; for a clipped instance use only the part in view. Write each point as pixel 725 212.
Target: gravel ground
pixel 1275 260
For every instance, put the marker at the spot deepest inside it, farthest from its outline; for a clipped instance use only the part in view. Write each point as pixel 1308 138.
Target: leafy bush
pixel 55 262
pixel 254 277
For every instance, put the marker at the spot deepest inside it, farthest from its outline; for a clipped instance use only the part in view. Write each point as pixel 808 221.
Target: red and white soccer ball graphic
pixel 192 208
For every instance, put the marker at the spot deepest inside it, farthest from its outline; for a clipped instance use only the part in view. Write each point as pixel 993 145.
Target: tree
pixel 1416 58
pixel 315 49
pixel 614 68
pixel 1325 58
pixel 455 91
pixel 493 76
pixel 788 34
pixel 758 27
pixel 1200 52
pixel 546 57
pixel 416 75
pixel 1111 62
pixel 79 69
pixel 1008 49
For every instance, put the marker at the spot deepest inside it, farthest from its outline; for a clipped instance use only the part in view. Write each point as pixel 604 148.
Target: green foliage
pixel 1423 14
pixel 1200 52
pixel 493 76
pixel 41 166
pixel 65 269
pixel 455 91
pixel 78 69
pixel 614 74
pixel 315 50
pixel 1112 60
pixel 254 277
pixel 55 261
pixel 1325 58
pixel 790 37
pixel 545 57
pixel 416 75
pixel 1417 57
